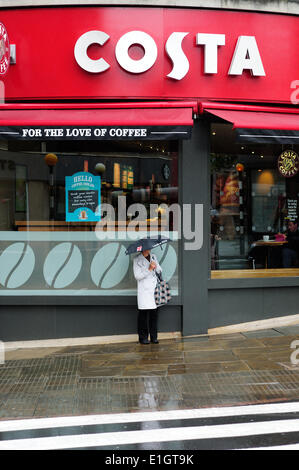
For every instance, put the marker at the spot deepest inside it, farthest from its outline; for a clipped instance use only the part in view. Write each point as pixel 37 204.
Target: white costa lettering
pixel 246 54
pixel 210 43
pixel 175 52
pixel 247 57
pixel 81 46
pixel 133 65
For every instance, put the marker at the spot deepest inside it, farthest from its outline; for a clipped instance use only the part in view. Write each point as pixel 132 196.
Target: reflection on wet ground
pixel 183 373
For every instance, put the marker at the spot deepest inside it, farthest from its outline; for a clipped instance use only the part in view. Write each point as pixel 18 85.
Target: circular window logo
pixel 4 50
pixel 288 163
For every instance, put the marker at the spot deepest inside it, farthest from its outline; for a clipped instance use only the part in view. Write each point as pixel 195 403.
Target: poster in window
pixel 229 196
pixel 82 197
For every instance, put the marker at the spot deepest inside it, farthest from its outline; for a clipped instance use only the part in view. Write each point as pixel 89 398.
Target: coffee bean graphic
pixel 167 258
pixel 17 263
pixel 109 265
pixel 62 265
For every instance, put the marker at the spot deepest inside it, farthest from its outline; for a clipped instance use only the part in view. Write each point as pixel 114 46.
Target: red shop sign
pixel 127 53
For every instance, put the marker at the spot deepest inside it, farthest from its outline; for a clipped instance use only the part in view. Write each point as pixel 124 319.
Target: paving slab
pixel 262 333
pixel 178 373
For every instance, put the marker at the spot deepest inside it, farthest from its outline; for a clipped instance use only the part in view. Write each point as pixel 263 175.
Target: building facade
pixel 177 119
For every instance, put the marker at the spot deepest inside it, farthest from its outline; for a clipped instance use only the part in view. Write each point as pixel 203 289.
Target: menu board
pixel 82 197
pixel 292 208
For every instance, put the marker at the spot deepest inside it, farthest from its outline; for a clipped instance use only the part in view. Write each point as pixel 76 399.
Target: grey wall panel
pixel 94 321
pixel 232 306
pixel 25 323
pixel 111 320
pixel 227 307
pixel 195 263
pixel 282 301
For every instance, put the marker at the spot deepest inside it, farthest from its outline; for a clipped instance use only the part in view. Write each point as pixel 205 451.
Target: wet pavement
pixel 178 373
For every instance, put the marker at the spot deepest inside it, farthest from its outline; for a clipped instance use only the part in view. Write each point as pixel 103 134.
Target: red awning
pixel 105 121
pixel 258 120
pixel 133 114
pixel 258 124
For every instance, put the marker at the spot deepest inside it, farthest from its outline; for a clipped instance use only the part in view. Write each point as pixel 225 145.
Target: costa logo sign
pixel 288 163
pixel 246 54
pixel 4 50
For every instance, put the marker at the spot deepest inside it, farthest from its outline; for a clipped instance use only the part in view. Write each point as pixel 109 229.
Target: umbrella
pixel 146 244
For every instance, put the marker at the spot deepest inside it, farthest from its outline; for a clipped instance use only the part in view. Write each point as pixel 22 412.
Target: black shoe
pixel 144 341
pixel 154 341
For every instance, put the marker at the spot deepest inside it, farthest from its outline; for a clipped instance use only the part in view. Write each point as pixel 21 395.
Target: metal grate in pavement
pixel 57 365
pixel 52 386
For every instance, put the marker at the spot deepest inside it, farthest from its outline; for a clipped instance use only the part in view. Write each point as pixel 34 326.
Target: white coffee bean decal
pixel 16 265
pixel 109 265
pixel 62 265
pixel 167 258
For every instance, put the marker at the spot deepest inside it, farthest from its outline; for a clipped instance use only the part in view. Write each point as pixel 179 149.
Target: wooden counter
pixel 254 273
pixel 62 226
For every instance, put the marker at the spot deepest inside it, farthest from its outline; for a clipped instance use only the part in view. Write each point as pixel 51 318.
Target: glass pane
pixel 254 204
pixel 42 253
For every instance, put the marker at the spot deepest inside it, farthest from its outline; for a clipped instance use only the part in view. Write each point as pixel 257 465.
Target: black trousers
pixel 147 324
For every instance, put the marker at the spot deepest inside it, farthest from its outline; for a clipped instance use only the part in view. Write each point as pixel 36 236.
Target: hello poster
pixel 82 197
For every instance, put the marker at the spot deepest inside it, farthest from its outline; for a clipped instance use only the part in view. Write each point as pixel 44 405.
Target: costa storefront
pixel 122 122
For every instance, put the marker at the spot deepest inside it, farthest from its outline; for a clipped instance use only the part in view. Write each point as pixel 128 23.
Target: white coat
pixel 146 281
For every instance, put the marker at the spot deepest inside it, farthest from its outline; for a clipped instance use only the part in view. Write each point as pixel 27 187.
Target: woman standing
pixel 145 265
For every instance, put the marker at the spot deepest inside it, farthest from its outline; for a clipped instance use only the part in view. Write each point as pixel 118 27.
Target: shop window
pixel 254 207
pixel 52 243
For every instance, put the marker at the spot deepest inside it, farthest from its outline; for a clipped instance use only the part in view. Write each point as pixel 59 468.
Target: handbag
pixel 162 291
